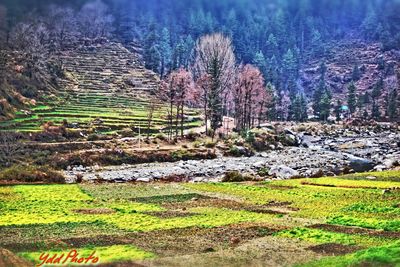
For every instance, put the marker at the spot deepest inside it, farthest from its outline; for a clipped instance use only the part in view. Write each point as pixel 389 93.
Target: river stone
pixel 283 172
pixel 360 164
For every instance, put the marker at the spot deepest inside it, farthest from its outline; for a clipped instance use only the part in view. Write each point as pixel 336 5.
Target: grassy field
pixel 344 221
pixel 116 113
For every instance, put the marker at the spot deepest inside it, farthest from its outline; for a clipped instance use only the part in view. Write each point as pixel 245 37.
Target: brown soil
pixel 333 249
pixel 9 259
pixel 182 241
pixel 356 230
pixel 270 208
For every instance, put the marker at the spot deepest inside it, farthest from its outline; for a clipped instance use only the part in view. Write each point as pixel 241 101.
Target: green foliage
pixel 235 176
pixel 300 108
pixel 321 237
pixel 109 254
pixel 356 74
pixel 210 144
pixel 338 110
pixel 351 97
pixel 388 255
pixel 373 223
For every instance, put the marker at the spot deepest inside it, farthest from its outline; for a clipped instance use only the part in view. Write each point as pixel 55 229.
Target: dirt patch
pixel 95 211
pixel 265 211
pixel 9 259
pixel 205 201
pixel 170 214
pixel 269 208
pixel 182 241
pixel 199 240
pixel 333 249
pixel 263 251
pixel 356 230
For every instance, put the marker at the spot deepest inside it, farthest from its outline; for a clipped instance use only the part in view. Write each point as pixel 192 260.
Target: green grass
pixel 322 237
pixel 34 217
pixel 105 254
pixel 388 255
pixel 393 176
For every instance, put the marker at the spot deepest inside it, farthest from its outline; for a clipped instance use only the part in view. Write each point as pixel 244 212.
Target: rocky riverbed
pixel 340 150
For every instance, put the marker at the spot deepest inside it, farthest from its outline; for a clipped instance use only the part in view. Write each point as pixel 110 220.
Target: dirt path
pixel 265 251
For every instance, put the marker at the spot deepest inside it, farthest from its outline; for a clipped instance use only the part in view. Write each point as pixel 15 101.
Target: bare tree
pixel 249 97
pixel 62 24
pixel 214 57
pixel 95 21
pixel 10 145
pixel 151 108
pixel 32 38
pixel 176 89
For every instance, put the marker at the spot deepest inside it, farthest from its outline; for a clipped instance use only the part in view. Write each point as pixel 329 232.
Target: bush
pixel 31 174
pixel 235 176
pixel 263 172
pixel 192 136
pixel 161 136
pixel 93 137
pixel 196 144
pixel 210 144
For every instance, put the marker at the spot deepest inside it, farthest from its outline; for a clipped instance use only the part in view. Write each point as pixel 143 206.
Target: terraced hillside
pixel 107 90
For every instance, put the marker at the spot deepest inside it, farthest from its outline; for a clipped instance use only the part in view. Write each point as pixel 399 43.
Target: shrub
pixel 234 151
pixel 93 137
pixel 192 136
pixel 31 174
pixel 181 154
pixel 196 144
pixel 263 172
pixel 210 144
pixel 161 136
pixel 235 176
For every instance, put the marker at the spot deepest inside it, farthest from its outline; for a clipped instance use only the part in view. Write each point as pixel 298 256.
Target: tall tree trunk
pixel 182 119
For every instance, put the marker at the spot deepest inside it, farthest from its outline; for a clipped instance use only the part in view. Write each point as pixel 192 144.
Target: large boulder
pixel 360 164
pixel 283 172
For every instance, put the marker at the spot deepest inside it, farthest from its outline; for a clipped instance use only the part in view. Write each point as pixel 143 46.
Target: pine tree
pixel 356 75
pixel 260 63
pixel 338 110
pixel 366 98
pixel 165 52
pixel 365 114
pixel 351 98
pixel 325 105
pixel 271 91
pixel 316 43
pixel 376 114
pixel 368 26
pixel 272 48
pixel 376 91
pixel 392 108
pixel 289 69
pixel 360 101
pixel 152 55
